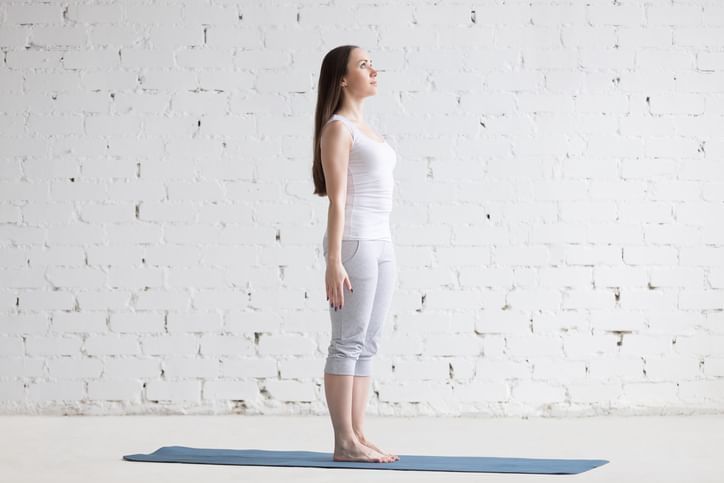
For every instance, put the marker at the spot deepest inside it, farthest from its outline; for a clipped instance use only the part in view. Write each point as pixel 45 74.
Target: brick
pixel 286 345
pixel 534 345
pixel 537 393
pixel 11 346
pixel 548 368
pixel 58 345
pixel 115 390
pixel 248 367
pixel 417 370
pixel 173 391
pixel 709 393
pixel 75 368
pixel 11 367
pixel 301 368
pixel 56 391
pixel 191 367
pixel 494 370
pixel 413 392
pixel 214 345
pixel 481 391
pixel 125 367
pixel 649 393
pixel 616 368
pixel 451 345
pixel 230 389
pixel 12 391
pixel 593 392
pixel 166 345
pixel 113 345
pixel 714 366
pixel 673 368
pixel 292 390
pixel 195 322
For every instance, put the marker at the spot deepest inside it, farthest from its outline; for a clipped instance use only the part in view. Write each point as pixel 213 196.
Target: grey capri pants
pixel 357 327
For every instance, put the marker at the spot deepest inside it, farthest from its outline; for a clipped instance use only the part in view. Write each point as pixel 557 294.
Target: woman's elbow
pixel 336 202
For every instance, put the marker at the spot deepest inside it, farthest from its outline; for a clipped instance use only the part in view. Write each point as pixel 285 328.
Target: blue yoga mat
pixel 313 459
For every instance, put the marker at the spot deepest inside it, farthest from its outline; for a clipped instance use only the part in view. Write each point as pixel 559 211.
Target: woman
pixel 353 168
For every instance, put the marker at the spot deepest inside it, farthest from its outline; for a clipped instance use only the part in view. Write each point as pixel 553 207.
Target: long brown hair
pixel 329 98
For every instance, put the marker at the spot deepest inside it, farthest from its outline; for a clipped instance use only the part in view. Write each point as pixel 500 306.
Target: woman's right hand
pixel 336 278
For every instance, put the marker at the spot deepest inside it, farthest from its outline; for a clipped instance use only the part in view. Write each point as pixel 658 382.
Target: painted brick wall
pixel 558 220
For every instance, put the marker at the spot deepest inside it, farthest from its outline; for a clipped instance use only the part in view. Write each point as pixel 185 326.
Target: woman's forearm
pixel 335 228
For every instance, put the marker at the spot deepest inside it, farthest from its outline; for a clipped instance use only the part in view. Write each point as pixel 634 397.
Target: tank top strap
pixel 352 128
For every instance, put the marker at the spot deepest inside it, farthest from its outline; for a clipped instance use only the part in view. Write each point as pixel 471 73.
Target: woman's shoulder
pixel 339 125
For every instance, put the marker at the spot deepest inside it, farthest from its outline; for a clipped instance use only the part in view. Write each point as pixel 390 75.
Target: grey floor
pixel 79 449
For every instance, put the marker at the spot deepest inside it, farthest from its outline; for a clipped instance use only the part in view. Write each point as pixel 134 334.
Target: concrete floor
pixel 90 448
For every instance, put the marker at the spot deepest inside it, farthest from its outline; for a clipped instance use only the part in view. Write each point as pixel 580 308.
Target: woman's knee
pixel 346 348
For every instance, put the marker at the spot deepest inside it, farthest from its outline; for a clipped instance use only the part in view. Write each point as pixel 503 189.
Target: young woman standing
pixel 353 167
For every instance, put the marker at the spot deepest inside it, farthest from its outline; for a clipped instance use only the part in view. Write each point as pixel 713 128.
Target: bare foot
pixel 356 451
pixel 375 448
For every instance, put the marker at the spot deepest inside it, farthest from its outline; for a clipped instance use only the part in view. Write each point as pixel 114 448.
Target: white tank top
pixel 370 185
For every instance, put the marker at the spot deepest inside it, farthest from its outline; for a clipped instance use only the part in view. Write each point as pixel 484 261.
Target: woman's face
pixel 361 78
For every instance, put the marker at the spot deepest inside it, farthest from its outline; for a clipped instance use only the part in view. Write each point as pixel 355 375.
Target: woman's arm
pixel 335 144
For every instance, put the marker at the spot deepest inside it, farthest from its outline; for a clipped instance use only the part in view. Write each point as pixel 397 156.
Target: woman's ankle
pixel 345 440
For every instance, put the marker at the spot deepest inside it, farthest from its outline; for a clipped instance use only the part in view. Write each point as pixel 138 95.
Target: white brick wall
pixel 558 206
